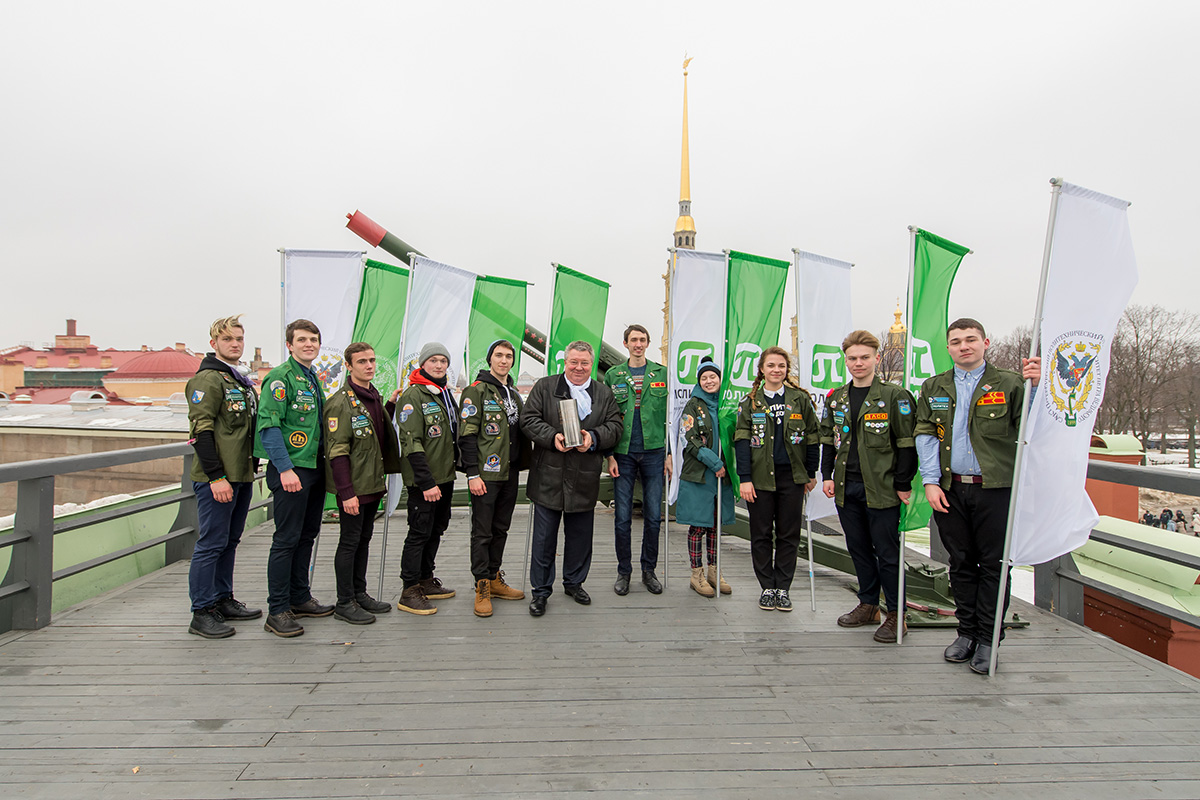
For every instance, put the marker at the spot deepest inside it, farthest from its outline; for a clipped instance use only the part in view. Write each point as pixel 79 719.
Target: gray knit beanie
pixel 430 350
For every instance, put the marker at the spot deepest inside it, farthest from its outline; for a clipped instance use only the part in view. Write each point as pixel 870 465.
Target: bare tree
pixel 1007 351
pixel 891 360
pixel 1155 346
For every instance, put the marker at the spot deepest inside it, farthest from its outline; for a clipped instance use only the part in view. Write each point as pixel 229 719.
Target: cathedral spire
pixel 685 227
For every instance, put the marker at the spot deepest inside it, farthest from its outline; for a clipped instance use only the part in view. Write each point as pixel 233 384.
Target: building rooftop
pixel 88 410
pixel 158 364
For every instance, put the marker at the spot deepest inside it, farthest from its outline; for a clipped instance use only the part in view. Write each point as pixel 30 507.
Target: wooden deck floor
pixel 669 696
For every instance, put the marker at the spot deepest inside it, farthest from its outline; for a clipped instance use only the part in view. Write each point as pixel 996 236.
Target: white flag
pixel 822 322
pixel 697 314
pixel 439 310
pixel 322 286
pixel 1091 276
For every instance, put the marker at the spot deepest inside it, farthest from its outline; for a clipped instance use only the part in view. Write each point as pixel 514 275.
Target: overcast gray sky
pixel 155 155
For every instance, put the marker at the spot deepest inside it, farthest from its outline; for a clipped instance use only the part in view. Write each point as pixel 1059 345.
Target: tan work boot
pixel 413 601
pixel 483 598
pixel 715 581
pixel 862 614
pixel 887 631
pixel 700 584
pixel 502 591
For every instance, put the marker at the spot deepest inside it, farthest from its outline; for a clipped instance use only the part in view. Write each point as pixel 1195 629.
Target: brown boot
pixel 502 591
pixel 862 614
pixel 887 631
pixel 413 601
pixel 701 586
pixel 483 598
pixel 715 581
pixel 434 589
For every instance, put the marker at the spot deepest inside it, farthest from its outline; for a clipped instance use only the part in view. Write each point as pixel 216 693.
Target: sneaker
pixel 209 625
pixel 312 608
pixel 863 614
pixel 435 590
pixel 766 600
pixel 368 603
pixel 283 624
pixel 502 591
pixel 414 601
pixel 353 613
pixel 782 601
pixel 234 610
pixel 483 598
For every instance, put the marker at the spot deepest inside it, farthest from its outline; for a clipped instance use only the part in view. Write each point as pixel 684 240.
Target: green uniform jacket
pixel 218 403
pixel 484 417
pixel 654 404
pixel 885 424
pixel 425 428
pixel 349 431
pixel 799 428
pixel 293 404
pixel 995 417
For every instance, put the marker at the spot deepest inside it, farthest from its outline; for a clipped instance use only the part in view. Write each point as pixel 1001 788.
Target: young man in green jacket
pixel 494 451
pixel 361 449
pixel 221 410
pixel 289 435
pixel 967 423
pixel 428 423
pixel 869 459
pixel 640 388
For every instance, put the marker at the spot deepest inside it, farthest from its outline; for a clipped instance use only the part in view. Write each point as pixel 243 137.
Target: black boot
pixel 353 613
pixel 235 610
pixel 369 603
pixel 209 625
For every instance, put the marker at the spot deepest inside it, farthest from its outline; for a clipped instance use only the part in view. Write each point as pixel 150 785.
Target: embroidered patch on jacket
pixel 333 421
pixel 197 396
pixel 278 390
pixel 903 407
pixel 991 399
pixel 939 403
pixel 492 464
pixel 879 415
pixel 298 439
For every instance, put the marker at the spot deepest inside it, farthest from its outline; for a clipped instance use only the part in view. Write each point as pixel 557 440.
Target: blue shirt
pixel 962 453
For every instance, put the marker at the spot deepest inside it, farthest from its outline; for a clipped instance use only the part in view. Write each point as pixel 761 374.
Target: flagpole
pixel 1034 343
pixel 717 438
pixel 549 366
pixel 901 605
pixel 665 528
pixel 812 581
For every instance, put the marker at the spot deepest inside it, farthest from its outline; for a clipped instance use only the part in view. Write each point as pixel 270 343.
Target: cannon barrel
pixel 376 235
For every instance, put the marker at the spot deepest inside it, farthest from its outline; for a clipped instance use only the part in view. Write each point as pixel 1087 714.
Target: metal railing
pixel 27 590
pixel 1059 585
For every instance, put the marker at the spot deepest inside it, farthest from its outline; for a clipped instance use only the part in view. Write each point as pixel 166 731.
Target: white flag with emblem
pixel 322 286
pixel 697 315
pixel 822 321
pixel 1091 276
pixel 439 310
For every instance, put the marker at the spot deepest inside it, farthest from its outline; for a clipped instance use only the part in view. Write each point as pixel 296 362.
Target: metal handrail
pixel 65 465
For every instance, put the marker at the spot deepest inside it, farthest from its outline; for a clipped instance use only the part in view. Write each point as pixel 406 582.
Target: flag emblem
pixel 1072 378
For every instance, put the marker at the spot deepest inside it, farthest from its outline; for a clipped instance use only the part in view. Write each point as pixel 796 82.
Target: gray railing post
pixel 188 517
pixel 1054 593
pixel 33 559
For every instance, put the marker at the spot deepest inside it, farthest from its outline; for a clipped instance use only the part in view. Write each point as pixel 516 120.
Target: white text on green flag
pixel 497 312
pixel 577 314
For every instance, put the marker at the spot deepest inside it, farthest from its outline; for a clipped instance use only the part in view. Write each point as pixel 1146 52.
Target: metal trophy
pixel 572 433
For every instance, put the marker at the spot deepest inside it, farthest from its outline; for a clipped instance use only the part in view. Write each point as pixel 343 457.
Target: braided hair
pixel 755 396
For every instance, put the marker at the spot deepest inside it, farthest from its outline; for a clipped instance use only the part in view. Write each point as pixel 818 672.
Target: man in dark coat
pixel 564 482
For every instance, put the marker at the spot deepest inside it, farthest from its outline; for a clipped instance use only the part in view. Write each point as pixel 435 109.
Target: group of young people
pixel 865 444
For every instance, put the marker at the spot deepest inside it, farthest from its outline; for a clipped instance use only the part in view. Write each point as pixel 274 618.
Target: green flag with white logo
pixel 380 319
pixel 577 314
pixel 497 312
pixel 935 263
pixel 753 311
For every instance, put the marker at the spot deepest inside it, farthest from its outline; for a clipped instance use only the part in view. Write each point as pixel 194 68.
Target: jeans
pixel 648 467
pixel 210 576
pixel 297 524
pixel 354 545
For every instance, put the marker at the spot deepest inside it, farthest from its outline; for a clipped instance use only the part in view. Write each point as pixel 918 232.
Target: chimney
pixel 42 362
pixel 70 327
pixel 105 362
pixel 72 361
pixel 145 349
pixel 180 347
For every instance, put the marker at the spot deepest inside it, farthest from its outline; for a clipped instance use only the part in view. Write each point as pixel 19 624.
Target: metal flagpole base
pixel 312 562
pixel 901 604
pixel 383 550
pixel 528 537
pixel 812 580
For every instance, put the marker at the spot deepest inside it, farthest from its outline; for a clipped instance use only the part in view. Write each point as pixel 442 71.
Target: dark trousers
pixel 873 540
pixel 426 523
pixel 973 534
pixel 647 467
pixel 775 532
pixel 577 548
pixel 297 523
pixel 491 514
pixel 354 544
pixel 210 575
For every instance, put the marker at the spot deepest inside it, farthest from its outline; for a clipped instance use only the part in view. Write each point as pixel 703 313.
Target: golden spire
pixel 897 326
pixel 685 227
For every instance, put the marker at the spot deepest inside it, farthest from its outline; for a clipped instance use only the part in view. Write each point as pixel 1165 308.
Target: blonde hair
pixel 788 380
pixel 860 337
pixel 224 325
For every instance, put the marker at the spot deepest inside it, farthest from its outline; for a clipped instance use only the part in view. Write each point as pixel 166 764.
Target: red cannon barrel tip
pixel 367 228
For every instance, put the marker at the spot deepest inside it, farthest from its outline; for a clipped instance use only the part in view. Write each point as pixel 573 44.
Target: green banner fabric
pixel 577 314
pixel 380 319
pixel 935 263
pixel 753 311
pixel 497 312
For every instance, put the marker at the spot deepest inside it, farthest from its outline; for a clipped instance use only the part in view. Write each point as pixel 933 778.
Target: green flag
pixel 380 319
pixel 753 311
pixel 577 314
pixel 497 312
pixel 935 263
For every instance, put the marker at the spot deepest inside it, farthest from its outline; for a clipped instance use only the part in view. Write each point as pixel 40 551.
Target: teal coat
pixel 696 504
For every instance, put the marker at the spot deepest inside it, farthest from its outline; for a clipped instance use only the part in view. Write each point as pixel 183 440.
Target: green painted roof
pixel 1170 584
pixel 1118 444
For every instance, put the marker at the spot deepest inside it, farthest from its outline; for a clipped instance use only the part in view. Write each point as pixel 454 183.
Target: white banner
pixel 697 315
pixel 439 310
pixel 822 322
pixel 1091 276
pixel 322 286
